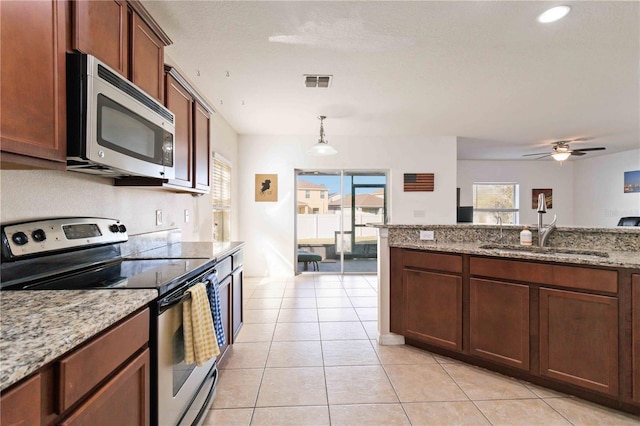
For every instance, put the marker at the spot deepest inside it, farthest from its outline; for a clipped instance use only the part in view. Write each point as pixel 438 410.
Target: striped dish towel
pixel 214 302
pixel 200 343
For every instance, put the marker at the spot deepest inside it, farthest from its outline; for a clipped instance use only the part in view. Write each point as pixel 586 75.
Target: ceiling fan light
pixel 553 14
pixel 322 147
pixel 560 156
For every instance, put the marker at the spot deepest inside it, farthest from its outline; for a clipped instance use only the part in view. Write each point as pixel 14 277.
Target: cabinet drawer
pixel 558 275
pixel 223 268
pixel 435 261
pixel 21 404
pixel 88 366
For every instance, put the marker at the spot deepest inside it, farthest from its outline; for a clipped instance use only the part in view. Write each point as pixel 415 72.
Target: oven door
pixel 185 391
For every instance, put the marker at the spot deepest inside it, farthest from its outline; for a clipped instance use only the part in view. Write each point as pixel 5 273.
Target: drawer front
pixel 434 261
pixel 92 363
pixel 223 268
pixel 558 275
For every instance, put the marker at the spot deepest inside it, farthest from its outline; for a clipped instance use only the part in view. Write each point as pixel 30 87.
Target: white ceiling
pixel 485 71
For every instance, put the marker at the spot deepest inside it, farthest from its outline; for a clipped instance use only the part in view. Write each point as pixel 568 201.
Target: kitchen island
pixel 566 316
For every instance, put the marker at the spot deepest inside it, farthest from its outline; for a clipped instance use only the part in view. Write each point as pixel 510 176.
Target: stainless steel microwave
pixel 114 128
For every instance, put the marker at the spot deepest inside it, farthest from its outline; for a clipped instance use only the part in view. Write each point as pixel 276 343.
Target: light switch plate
pixel 158 217
pixel 426 235
pixel 186 216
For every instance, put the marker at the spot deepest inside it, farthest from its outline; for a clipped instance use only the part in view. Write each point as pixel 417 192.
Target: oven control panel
pixel 48 235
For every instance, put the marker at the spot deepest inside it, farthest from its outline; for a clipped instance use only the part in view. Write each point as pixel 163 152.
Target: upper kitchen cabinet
pixel 33 84
pixel 123 35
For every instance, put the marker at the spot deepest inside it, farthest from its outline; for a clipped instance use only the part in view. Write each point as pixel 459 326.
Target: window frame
pixel 516 201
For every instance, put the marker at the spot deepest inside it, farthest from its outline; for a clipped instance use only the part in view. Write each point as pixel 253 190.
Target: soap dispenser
pixel 526 237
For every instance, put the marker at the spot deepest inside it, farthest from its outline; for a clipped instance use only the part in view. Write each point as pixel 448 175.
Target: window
pixel 316 210
pixel 221 194
pixel 307 194
pixel 322 194
pixel 495 200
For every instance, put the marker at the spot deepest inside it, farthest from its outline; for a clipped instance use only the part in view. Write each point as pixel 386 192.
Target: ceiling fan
pixel 561 150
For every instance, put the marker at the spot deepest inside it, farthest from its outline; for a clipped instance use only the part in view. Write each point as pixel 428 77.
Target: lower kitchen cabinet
pixel 579 339
pixel 225 313
pixel 237 302
pixel 635 335
pixel 103 382
pixel 124 400
pixel 433 308
pixel 20 405
pixel 499 322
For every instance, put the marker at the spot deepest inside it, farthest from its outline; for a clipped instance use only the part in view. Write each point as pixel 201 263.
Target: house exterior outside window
pixel 494 200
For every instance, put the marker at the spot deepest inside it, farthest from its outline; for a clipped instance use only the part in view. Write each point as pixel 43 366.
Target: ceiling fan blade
pixel 599 148
pixel 544 156
pixel 578 153
pixel 539 153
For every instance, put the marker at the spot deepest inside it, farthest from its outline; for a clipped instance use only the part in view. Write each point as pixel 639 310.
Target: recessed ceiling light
pixel 554 14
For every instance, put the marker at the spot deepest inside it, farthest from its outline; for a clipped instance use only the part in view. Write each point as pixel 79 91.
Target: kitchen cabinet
pixel 635 335
pixel 124 36
pixel 499 322
pixel 579 339
pixel 33 84
pixel 225 313
pixel 431 298
pixel 202 147
pixel 102 382
pixel 237 293
pixel 21 404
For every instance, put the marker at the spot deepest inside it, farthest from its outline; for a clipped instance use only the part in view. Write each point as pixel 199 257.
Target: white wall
pixel 269 227
pixel 529 175
pixel 599 196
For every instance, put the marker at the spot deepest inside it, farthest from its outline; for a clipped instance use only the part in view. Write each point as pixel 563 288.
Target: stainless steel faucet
pixel 543 233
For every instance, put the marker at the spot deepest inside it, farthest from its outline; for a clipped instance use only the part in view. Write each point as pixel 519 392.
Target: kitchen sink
pixel 557 251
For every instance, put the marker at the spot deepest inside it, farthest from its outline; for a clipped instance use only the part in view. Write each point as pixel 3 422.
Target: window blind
pixel 221 184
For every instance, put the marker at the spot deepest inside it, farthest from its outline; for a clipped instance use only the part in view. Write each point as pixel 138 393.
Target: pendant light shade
pixel 322 147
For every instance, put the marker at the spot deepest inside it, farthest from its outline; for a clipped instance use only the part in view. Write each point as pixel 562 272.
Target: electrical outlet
pixel 158 217
pixel 426 235
pixel 419 213
pixel 186 216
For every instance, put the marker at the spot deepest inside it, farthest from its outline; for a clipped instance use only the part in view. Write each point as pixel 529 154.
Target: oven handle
pixel 168 302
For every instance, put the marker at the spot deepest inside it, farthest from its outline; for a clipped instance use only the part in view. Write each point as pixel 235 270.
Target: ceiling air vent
pixel 317 80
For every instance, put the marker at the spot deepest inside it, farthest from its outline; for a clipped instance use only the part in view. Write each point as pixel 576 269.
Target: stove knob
pixel 122 228
pixel 20 238
pixel 39 235
pixel 114 228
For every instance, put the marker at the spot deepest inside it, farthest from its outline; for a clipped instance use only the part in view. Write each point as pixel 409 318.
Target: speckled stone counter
pixel 39 326
pixel 622 245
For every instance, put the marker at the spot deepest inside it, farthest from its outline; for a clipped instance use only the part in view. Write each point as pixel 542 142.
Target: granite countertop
pixel 39 326
pixel 190 250
pixel 624 259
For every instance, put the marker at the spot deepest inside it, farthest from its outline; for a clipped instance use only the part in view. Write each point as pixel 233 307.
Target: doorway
pixel 333 208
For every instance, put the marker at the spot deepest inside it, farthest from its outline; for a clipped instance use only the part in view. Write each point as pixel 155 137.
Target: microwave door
pixel 124 134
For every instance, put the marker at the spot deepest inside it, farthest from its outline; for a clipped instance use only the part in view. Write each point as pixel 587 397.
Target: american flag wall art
pixel 418 182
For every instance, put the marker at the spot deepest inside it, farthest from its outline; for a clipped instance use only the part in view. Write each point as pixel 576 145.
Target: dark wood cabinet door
pixel 20 405
pixel 101 29
pixel 33 83
pixel 180 103
pixel 202 145
pixel 635 335
pixel 225 311
pixel 579 339
pixel 123 400
pixel 433 308
pixel 147 58
pixel 236 296
pixel 499 322
pixel 396 291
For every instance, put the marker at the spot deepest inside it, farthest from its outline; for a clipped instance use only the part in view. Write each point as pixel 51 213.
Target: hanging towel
pixel 200 343
pixel 214 301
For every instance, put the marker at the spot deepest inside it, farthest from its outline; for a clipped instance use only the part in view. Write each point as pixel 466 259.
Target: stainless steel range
pixel 84 253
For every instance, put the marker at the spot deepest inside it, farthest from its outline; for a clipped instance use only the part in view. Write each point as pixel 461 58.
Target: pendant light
pixel 322 147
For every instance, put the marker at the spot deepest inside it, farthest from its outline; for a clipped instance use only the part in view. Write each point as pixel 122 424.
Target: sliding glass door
pixel 333 208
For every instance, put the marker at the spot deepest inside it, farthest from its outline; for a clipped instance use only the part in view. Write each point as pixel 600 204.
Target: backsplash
pixel 608 239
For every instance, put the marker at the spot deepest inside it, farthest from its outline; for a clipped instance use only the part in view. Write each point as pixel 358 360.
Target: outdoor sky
pixel 332 182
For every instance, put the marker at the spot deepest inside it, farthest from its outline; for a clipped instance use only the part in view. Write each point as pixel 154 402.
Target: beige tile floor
pixel 307 355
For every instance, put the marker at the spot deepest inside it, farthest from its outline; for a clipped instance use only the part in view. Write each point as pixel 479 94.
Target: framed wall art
pixel 266 187
pixel 548 196
pixel 632 181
